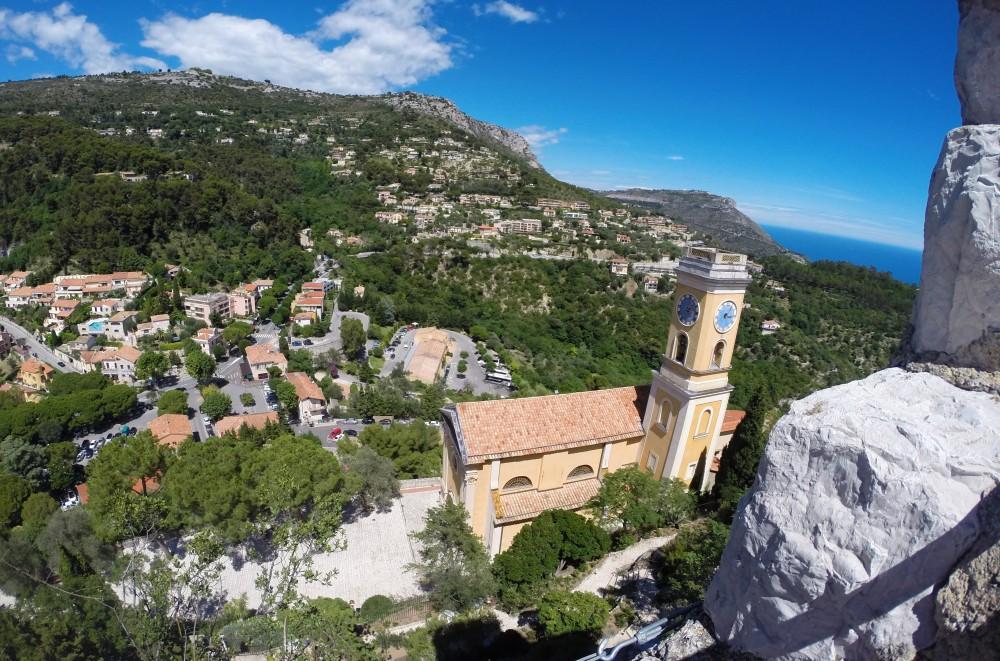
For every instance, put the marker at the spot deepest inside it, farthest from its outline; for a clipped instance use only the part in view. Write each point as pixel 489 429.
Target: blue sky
pixel 822 116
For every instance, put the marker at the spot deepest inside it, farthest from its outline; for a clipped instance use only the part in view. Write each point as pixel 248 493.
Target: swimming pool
pixel 96 326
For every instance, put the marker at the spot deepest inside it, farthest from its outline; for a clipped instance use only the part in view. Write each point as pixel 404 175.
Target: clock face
pixel 725 317
pixel 688 310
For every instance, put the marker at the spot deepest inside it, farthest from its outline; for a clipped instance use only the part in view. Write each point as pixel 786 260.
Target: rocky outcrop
pixel 866 499
pixel 977 63
pixel 442 108
pixel 957 315
pixel 968 606
pixel 709 214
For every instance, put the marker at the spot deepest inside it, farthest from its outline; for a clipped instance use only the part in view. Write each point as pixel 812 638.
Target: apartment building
pixel 522 226
pixel 203 306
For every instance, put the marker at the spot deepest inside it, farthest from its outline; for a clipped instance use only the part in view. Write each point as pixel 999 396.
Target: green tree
pixel 454 565
pixel 738 463
pixel 200 366
pixel 118 478
pixel 152 365
pixel 36 511
pixel 375 607
pixel 633 501
pixel 352 337
pixel 266 305
pixel 287 397
pixel 247 399
pixel 61 466
pixel 561 613
pixel 553 537
pixel 237 334
pixel 14 490
pixel 215 403
pixel 173 401
pixel 689 561
pixel 415 449
pixel 373 478
pixel 431 402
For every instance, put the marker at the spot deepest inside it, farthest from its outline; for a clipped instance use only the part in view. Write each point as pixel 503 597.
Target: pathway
pixel 37 348
pixel 602 576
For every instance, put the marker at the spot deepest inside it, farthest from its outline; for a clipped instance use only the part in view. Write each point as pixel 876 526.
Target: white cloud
pixel 675 157
pixel 15 53
pixel 539 136
pixel 70 37
pixel 510 11
pixel 383 44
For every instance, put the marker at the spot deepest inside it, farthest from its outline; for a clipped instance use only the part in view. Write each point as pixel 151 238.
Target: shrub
pixel 689 561
pixel 562 613
pixel 375 607
pixel 246 399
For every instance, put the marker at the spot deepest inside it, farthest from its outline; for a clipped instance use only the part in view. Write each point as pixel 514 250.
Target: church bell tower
pixel 689 393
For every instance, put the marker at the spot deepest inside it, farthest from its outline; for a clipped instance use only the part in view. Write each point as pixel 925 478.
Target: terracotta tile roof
pixel 32 366
pixel 131 354
pixel 170 428
pixel 305 387
pixel 123 315
pixel 522 505
pixel 732 420
pixel 232 423
pixel 258 354
pixel 160 317
pixel 512 427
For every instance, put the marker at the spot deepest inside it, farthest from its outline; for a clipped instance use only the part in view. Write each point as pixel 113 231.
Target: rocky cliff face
pixel 706 213
pixel 957 314
pixel 449 112
pixel 977 76
pixel 866 499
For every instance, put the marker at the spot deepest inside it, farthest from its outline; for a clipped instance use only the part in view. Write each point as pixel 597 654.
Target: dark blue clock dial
pixel 688 310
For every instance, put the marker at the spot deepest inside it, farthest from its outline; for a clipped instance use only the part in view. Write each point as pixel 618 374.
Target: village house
pixel 650 283
pixel 25 296
pixel 207 338
pixel 59 312
pixel 105 307
pixel 623 238
pixel 15 280
pixel 35 375
pixel 201 307
pixel 770 327
pixel 312 302
pixel 116 363
pixel 171 429
pixel 619 266
pixel 243 301
pixel 261 357
pixel 312 403
pixel 120 325
pixel 232 424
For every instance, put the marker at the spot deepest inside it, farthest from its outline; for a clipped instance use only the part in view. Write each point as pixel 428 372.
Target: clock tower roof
pixel 713 266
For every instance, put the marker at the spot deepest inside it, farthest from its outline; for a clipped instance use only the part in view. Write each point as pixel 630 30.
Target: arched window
pixel 704 422
pixel 720 351
pixel 680 348
pixel 664 413
pixel 580 472
pixel 517 483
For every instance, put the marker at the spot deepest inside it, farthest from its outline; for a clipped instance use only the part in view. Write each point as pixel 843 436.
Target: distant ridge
pixel 713 215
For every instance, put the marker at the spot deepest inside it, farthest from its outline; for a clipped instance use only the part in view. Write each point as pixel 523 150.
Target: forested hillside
pixel 220 176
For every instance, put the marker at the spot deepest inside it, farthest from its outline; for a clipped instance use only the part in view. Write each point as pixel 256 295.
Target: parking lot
pixel 474 377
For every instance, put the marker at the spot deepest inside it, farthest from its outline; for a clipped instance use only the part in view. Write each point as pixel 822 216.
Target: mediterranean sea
pixel 902 263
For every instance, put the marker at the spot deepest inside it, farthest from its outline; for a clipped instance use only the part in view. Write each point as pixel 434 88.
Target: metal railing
pixel 644 637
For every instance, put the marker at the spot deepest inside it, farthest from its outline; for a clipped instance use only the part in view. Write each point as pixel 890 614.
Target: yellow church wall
pixel 590 456
pixel 483 498
pixel 658 436
pixel 697 440
pixel 624 453
pixel 702 337
pixel 529 467
pixel 451 472
pixel 509 532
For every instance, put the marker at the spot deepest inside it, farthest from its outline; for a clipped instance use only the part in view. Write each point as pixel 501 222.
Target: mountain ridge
pixel 708 213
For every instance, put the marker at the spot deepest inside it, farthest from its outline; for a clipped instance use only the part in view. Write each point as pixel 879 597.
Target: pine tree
pixel 738 463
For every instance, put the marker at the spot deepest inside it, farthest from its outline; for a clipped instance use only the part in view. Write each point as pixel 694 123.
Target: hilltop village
pixel 339 376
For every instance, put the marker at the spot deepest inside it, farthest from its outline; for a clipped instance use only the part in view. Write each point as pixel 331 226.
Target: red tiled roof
pixel 258 354
pixel 522 505
pixel 233 423
pixel 171 428
pixel 531 425
pixel 305 387
pixel 732 420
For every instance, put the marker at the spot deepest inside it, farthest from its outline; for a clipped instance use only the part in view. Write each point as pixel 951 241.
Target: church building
pixel 509 460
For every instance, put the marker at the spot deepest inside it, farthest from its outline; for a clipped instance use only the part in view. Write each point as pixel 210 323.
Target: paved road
pixel 34 345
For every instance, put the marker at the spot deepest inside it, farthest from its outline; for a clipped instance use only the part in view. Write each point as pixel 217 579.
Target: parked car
pixel 384 422
pixel 61 364
pixel 336 431
pixel 308 343
pixel 351 432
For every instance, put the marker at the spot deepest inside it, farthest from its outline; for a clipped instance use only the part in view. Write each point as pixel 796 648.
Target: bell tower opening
pixel 681 348
pixel 717 355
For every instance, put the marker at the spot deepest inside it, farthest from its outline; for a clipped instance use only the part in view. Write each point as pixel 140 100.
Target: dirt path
pixel 604 574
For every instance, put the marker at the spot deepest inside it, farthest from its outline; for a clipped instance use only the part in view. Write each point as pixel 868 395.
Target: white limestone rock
pixel 957 315
pixel 865 500
pixel 977 62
